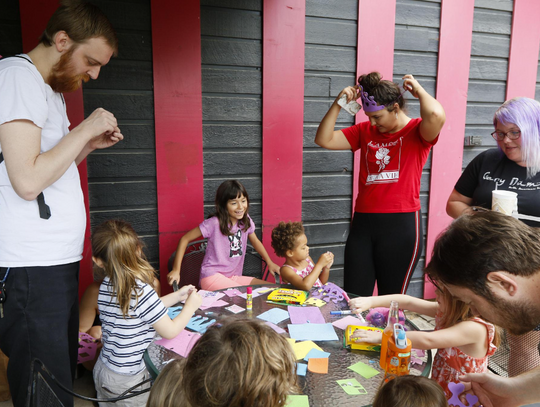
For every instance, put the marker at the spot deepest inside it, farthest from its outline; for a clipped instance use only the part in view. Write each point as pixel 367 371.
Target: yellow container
pixel 356 343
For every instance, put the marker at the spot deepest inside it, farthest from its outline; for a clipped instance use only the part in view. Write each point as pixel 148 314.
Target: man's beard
pixel 516 318
pixel 61 78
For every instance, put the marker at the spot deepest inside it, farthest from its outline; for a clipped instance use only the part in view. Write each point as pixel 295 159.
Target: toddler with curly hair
pixel 290 241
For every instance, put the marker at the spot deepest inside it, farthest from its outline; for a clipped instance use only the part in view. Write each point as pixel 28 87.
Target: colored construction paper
pixel 302 315
pixel 316 353
pixel 301 369
pixel 315 302
pixel 346 321
pixel 216 304
pixel 235 309
pixel 297 400
pixel 318 365
pixel 291 341
pixel 274 315
pixel 182 343
pixel 314 332
pixel 209 297
pixel 174 311
pixel 262 290
pixel 253 295
pixel 301 349
pixel 199 323
pixel 232 292
pixel 364 370
pixel 276 328
pixel 352 387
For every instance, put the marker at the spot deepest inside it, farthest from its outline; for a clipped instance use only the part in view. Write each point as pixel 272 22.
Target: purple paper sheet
pixel 303 315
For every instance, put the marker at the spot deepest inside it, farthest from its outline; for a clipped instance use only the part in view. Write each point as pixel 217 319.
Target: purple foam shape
pixel 456 389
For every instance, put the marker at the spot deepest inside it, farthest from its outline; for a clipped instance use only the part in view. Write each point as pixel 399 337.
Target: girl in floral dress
pixel 464 343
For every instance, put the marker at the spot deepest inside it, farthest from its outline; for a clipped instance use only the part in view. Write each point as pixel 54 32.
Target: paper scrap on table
pixel 316 302
pixel 351 386
pixel 235 309
pixel 262 290
pixel 253 295
pixel 302 315
pixel 301 349
pixel 209 297
pixel 291 341
pixel 174 311
pixel 301 369
pixel 276 328
pixel 232 292
pixel 216 304
pixel 364 370
pixel 297 400
pixel 199 323
pixel 346 321
pixel 419 352
pixel 316 353
pixel 416 361
pixel 274 315
pixel 314 332
pixel 182 343
pixel 318 365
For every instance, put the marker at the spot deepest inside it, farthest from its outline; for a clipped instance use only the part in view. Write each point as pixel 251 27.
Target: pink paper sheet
pixel 182 343
pixel 348 320
pixel 218 303
pixel 303 315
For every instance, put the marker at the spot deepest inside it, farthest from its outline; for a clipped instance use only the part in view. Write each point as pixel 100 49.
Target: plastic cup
pixel 504 201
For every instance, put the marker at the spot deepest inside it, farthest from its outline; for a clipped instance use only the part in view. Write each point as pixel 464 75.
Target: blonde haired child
pixel 130 311
pixel 464 342
pixel 227 231
pixel 240 363
pixel 289 241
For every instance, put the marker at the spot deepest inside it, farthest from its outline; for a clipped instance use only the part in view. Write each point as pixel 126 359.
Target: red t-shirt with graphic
pixel 390 167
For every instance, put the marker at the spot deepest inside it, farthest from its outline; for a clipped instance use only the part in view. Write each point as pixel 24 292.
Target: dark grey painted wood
pixel 105 195
pixel 418 13
pixel 222 108
pixel 486 91
pixel 325 58
pixel 235 52
pixel 235 4
pixel 123 74
pixel 327 185
pixel 492 21
pixel 326 31
pixel 232 80
pixel 505 5
pixel 144 221
pixel 125 105
pixel 326 84
pixel 232 163
pixel 416 38
pixel 137 135
pixel 329 209
pixel 112 165
pixel 230 23
pixel 344 10
pixel 488 68
pixel 232 135
pixel 320 160
pixel 490 45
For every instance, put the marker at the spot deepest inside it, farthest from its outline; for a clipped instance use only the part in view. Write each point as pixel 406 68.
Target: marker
pixel 249 298
pixel 344 312
pixel 346 296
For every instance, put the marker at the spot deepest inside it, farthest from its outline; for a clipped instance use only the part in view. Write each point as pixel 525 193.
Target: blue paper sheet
pixel 316 353
pixel 301 369
pixel 274 315
pixel 199 323
pixel 312 332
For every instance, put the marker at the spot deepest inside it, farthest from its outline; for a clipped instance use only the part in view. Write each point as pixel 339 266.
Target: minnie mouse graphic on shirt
pixel 236 244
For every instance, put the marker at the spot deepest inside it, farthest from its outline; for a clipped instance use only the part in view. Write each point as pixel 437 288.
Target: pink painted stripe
pixel 374 52
pixel 176 47
pixel 452 85
pixel 283 114
pixel 524 47
pixel 34 17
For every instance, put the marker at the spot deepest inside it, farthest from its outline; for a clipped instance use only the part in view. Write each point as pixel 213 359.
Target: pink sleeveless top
pixel 450 363
pixel 306 272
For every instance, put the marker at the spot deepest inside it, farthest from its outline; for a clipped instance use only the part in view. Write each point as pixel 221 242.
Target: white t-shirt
pixel 26 239
pixel 125 339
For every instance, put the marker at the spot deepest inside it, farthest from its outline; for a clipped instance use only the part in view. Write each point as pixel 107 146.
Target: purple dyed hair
pixel 524 113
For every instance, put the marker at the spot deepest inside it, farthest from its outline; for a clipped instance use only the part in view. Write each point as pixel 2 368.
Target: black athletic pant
pixel 41 320
pixel 382 247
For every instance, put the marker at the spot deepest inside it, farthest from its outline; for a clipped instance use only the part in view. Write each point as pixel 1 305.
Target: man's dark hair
pixel 81 21
pixel 475 245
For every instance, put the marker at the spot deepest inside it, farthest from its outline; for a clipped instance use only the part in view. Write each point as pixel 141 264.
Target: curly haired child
pixel 289 241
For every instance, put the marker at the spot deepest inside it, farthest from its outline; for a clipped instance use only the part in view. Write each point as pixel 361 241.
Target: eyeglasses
pixel 500 135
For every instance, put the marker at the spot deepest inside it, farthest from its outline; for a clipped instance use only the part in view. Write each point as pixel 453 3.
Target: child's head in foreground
pixel 410 391
pixel 239 363
pixel 287 237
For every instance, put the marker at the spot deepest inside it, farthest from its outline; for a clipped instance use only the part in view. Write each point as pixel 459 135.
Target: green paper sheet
pixel 352 387
pixel 297 400
pixel 364 370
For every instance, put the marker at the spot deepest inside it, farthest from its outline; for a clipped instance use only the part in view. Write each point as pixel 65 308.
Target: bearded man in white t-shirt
pixel 42 214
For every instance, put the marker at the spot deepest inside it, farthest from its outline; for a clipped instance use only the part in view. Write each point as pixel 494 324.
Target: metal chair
pixel 254 265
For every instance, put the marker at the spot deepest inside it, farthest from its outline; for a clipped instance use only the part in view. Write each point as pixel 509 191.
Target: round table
pixel 322 389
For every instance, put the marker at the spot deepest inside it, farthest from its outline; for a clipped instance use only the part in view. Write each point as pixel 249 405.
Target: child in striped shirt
pixel 130 311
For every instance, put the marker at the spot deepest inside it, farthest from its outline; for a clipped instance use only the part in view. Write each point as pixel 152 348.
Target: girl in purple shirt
pixel 227 231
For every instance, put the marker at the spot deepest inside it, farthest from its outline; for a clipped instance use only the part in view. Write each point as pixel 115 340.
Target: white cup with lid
pixel 504 201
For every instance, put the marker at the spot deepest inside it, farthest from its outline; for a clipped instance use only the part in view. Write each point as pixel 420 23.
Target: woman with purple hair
pixel 513 166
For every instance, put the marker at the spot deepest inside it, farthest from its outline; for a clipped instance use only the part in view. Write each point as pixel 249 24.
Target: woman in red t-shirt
pixel 386 237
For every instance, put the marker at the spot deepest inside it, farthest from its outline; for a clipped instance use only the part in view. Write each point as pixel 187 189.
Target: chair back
pixel 40 388
pixel 191 263
pixel 254 265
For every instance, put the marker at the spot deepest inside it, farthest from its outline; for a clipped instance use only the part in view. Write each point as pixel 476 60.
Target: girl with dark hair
pixel 386 237
pixel 227 231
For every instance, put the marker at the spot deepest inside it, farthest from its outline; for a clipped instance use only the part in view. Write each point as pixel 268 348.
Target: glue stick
pixel 249 298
